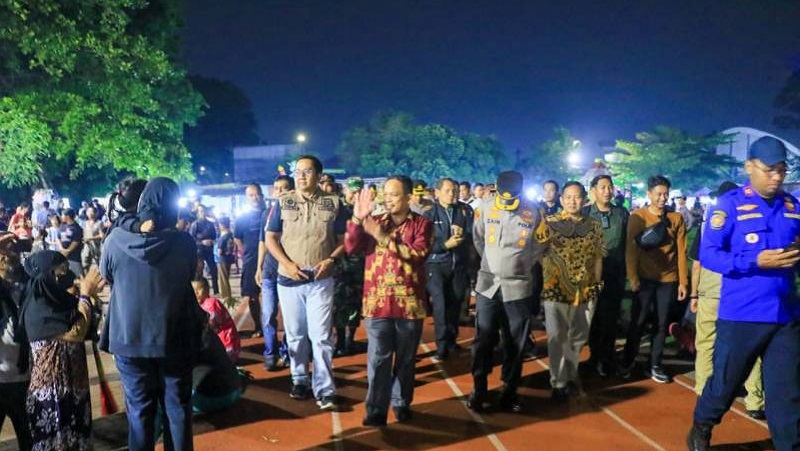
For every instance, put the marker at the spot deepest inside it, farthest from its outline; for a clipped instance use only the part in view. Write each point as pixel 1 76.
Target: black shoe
pixel 272 366
pixel 327 403
pixel 657 374
pixel 455 348
pixel 757 414
pixel 442 355
pixel 573 389
pixel 373 421
pixel 626 371
pixel 560 394
pixel 603 370
pixel 299 392
pixel 402 414
pixel 510 403
pixel 699 438
pixel 476 402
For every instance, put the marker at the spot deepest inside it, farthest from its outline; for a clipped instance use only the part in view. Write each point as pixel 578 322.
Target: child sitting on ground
pixel 219 320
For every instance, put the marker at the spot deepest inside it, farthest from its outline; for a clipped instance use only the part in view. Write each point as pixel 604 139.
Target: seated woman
pixel 55 323
pixel 216 382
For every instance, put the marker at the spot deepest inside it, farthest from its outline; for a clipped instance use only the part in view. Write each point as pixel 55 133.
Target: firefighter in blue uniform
pixel 750 239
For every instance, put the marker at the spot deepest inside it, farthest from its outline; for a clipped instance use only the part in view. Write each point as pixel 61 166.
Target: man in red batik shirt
pixel 395 302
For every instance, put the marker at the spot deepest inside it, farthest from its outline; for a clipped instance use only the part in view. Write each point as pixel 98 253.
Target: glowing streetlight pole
pixel 574 158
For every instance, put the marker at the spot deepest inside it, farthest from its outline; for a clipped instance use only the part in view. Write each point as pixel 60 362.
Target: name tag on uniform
pixel 792 215
pixel 749 216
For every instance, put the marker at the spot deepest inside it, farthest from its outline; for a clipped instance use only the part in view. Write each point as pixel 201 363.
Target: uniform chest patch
pixel 289 204
pixel 747 207
pixel 326 205
pixel 751 238
pixel 718 220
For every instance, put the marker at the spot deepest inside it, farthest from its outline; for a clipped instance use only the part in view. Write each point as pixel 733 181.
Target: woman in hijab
pixel 55 323
pixel 154 322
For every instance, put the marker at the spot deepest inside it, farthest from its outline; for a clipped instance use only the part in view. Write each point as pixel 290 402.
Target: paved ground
pixel 614 414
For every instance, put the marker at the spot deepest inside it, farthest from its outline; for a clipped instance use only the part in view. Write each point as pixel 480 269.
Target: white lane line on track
pixel 495 441
pixel 337 431
pixel 734 410
pixel 617 418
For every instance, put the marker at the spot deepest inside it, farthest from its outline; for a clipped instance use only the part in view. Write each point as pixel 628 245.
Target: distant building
pixel 260 163
pixel 744 136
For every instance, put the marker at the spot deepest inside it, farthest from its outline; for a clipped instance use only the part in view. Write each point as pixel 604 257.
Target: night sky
pixel 604 69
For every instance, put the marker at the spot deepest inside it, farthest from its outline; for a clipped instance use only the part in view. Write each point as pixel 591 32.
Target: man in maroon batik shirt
pixel 396 244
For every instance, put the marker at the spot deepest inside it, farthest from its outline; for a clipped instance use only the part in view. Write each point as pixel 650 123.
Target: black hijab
pixel 159 202
pixel 47 309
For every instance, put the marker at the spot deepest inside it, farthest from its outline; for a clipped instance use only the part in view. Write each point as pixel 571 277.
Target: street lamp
pixel 574 158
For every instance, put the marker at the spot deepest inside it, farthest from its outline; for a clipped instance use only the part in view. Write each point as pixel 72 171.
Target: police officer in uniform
pixel 750 240
pixel 504 235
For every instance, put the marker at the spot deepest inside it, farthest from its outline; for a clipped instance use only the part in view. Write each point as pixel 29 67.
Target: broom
pixel 107 403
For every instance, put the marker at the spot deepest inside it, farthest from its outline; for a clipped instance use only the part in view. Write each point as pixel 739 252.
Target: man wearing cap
pixel 706 285
pixel 420 203
pixel 750 240
pixel 505 237
pixel 349 282
pixel 447 264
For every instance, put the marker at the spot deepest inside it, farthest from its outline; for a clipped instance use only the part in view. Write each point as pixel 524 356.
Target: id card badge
pixel 605 221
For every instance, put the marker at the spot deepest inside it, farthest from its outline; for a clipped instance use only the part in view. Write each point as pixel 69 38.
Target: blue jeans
pixel 269 319
pixel 307 319
pixel 149 382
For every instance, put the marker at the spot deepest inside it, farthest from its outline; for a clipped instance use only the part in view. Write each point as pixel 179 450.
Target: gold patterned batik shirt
pixel 573 246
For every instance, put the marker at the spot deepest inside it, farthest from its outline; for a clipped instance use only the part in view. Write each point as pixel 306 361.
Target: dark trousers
pixel 446 286
pixel 492 318
pixel 392 346
pixel 604 324
pixel 653 297
pixel 148 383
pixel 206 254
pixel 12 405
pixel 736 349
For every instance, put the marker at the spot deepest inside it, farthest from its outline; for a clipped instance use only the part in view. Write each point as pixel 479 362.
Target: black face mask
pixel 66 281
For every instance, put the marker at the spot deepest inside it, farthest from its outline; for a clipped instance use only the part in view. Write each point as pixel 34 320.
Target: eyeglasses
pixel 778 169
pixel 306 172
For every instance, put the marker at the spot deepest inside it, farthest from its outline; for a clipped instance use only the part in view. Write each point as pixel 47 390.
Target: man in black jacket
pixel 447 263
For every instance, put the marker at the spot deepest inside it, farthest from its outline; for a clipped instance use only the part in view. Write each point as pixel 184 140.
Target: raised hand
pixel 363 205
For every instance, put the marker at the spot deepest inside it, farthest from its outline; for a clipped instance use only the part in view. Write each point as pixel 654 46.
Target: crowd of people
pixel 329 257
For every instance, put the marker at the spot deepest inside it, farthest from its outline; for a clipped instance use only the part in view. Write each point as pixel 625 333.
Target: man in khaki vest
pixel 305 234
